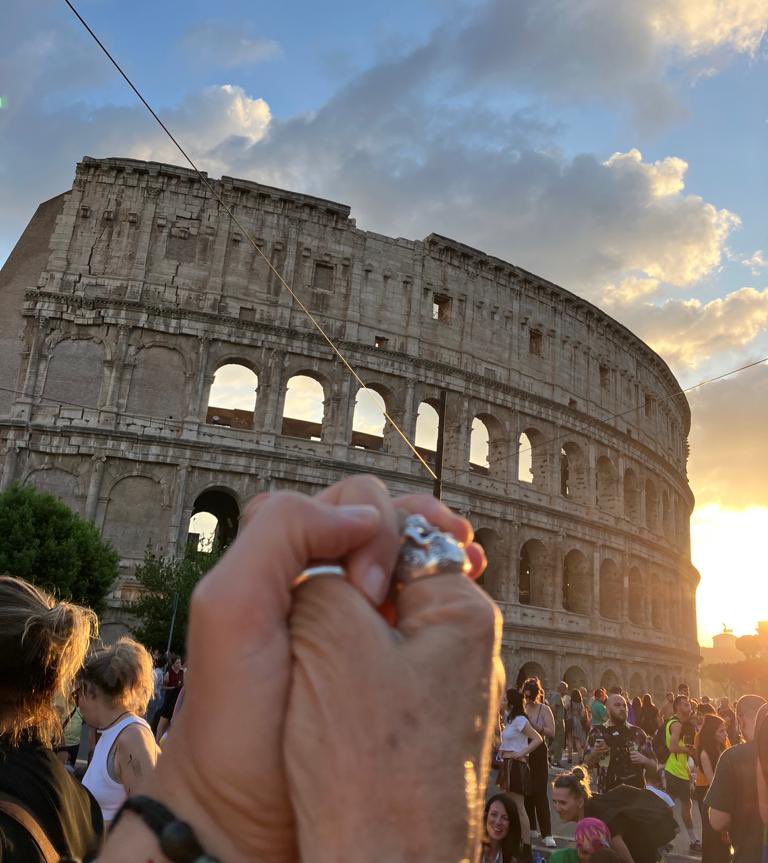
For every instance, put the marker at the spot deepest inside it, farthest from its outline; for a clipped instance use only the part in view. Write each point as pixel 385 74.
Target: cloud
pixel 687 333
pixel 728 440
pixel 227 45
pixel 756 262
pixel 702 26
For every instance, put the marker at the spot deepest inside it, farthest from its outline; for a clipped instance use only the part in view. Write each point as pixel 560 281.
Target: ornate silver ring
pixel 426 551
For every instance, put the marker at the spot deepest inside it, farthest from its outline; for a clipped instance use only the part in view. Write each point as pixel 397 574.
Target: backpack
pixel 659 742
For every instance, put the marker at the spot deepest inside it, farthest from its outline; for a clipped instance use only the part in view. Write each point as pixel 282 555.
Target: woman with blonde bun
pixel 115 686
pixel 42 646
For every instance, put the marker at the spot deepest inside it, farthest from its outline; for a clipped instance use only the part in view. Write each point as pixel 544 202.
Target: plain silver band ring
pixel 322 570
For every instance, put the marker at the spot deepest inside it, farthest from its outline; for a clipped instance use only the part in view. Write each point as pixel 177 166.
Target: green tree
pixel 43 541
pixel 161 580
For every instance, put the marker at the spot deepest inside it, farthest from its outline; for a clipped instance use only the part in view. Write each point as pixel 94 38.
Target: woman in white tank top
pixel 114 688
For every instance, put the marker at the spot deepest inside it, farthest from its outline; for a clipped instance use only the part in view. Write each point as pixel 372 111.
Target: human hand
pixel 222 768
pixel 637 758
pixel 388 731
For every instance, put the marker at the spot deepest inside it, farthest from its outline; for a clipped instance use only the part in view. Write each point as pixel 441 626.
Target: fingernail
pixel 360 512
pixel 374 583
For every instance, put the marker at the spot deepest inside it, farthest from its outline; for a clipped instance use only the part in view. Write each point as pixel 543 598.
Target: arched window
pixel 636 597
pixel 575 677
pixel 632 497
pixel 667 516
pixel 532 459
pixel 658 600
pixel 304 408
pixel 215 519
pixel 609 680
pixel 491 544
pixel 611 589
pixel 427 421
pixel 232 399
pixel 368 421
pixel 534 580
pixel 607 484
pixel 651 506
pixel 577 583
pixel 637 685
pixel 528 670
pixel 524 459
pixel 479 446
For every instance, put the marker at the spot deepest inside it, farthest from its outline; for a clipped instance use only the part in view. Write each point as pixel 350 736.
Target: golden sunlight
pixel 728 547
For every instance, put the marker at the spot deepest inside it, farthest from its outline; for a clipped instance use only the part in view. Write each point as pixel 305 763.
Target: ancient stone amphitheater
pixel 565 438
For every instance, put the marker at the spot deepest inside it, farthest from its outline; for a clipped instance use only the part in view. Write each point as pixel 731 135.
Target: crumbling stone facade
pixel 126 294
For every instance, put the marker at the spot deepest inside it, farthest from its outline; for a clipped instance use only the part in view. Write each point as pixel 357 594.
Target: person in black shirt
pixel 42 646
pixel 733 795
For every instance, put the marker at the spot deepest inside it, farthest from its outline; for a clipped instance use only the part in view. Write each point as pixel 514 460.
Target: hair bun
pixel 579 772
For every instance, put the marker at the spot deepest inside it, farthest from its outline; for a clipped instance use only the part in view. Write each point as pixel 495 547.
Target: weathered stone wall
pixel 147 288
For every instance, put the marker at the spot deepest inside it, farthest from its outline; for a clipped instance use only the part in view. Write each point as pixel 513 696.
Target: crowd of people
pixel 317 720
pixel 643 762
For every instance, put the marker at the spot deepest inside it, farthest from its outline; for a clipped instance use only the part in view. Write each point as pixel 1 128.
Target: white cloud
pixel 756 262
pixel 687 333
pixel 701 26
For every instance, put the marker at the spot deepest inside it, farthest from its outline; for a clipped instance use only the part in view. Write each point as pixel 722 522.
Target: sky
pixel 614 147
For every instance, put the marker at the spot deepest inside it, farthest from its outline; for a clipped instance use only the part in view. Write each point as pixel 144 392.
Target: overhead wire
pixel 204 180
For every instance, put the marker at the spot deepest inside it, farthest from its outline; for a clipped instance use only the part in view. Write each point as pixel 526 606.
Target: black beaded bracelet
pixel 176 838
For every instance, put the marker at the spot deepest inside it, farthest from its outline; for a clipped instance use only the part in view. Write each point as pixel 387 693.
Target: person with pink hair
pixel 591 835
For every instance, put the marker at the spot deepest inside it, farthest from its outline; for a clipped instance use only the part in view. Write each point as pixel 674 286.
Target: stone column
pixel 197 413
pixel 175 539
pixel 116 373
pixel 558 552
pixel 271 395
pixel 341 405
pixel 139 269
pixel 94 487
pixel 625 589
pixel 25 400
pixel 413 325
pixel 594 611
pixel 9 465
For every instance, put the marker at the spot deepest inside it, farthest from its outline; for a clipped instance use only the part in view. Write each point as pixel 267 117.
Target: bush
pixel 44 542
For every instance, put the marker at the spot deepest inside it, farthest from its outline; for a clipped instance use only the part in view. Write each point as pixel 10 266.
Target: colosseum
pixel 565 435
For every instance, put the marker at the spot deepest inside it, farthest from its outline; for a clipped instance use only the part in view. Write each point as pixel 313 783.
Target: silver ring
pixel 426 552
pixel 320 570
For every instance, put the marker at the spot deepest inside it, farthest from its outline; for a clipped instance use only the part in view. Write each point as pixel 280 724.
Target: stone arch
pixel 637 596
pixel 530 669
pixel 135 516
pixel 667 515
pixel 658 599
pixel 215 519
pixel 632 509
pixel 493 577
pixel 576 677
pixel 609 679
pixel 659 689
pixel 637 685
pixel 369 423
pixel 532 458
pixel 158 383
pixel 573 472
pixel 577 583
pixel 304 405
pixel 607 485
pixel 611 590
pixel 232 396
pixel 534 583
pixel 427 422
pixel 74 373
pixel 60 483
pixel 651 506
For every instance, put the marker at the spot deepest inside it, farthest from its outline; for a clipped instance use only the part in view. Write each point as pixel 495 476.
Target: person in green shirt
pixel 599 710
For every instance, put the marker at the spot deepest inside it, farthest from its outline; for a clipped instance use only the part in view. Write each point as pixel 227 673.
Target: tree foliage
pixel 44 542
pixel 160 580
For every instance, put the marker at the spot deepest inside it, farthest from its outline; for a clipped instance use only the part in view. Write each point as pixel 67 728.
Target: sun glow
pixel 728 547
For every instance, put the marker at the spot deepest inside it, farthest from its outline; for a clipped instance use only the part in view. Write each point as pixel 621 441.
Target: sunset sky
pixel 615 147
